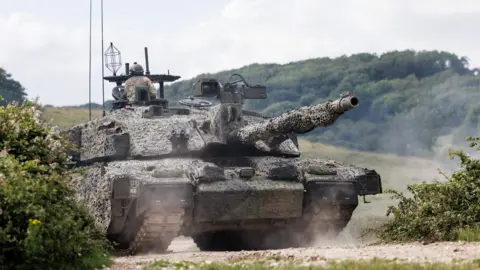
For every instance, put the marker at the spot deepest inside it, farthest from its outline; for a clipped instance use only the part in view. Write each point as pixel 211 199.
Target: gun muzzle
pixel 345 103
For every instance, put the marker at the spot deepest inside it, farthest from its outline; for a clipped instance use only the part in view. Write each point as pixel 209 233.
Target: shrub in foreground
pixel 41 224
pixel 439 211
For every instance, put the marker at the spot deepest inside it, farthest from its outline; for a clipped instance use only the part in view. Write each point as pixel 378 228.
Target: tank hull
pixel 320 214
pixel 146 208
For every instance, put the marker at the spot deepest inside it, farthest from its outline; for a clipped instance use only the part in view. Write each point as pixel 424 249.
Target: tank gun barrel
pixel 301 120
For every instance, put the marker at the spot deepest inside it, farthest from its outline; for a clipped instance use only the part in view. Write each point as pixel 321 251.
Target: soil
pixel 184 249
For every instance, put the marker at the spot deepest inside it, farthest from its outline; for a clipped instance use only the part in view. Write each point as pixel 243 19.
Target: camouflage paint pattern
pixel 299 121
pixel 135 81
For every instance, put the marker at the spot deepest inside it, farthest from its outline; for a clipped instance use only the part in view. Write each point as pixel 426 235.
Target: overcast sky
pixel 44 44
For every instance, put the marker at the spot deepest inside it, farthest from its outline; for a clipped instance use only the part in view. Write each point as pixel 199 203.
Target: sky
pixel 46 46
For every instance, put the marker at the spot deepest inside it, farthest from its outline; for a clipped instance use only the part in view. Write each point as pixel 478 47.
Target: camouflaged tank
pixel 229 178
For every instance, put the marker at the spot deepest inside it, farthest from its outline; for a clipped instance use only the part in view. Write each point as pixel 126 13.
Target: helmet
pixel 136 69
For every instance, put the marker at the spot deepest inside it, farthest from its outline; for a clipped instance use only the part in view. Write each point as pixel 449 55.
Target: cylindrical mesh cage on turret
pixel 113 59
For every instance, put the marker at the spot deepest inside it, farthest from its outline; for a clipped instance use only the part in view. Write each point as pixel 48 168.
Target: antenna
pixel 103 72
pixel 147 67
pixel 90 68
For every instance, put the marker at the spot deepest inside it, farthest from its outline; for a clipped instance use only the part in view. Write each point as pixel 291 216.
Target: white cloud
pixel 281 31
pixel 38 54
pixel 51 58
pixel 445 7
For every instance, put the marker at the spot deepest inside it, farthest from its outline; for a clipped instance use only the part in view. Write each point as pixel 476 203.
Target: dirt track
pixel 185 249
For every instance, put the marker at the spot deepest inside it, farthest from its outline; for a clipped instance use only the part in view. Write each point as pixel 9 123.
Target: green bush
pixel 42 226
pixel 440 211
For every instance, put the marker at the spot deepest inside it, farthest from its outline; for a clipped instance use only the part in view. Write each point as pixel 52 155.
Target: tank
pixel 230 178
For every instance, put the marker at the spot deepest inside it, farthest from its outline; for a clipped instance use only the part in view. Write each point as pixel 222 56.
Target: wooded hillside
pixel 408 99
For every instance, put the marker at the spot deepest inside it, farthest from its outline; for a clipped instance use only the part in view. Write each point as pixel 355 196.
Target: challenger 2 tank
pixel 229 178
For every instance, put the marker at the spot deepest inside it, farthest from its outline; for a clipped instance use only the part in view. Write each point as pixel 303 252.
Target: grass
pixel 96 260
pixel 374 264
pixel 65 117
pixel 469 235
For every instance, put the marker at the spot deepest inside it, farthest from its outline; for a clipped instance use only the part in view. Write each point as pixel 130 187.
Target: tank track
pixel 156 231
pixel 302 233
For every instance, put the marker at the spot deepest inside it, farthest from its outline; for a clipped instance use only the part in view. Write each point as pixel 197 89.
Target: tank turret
pixel 227 120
